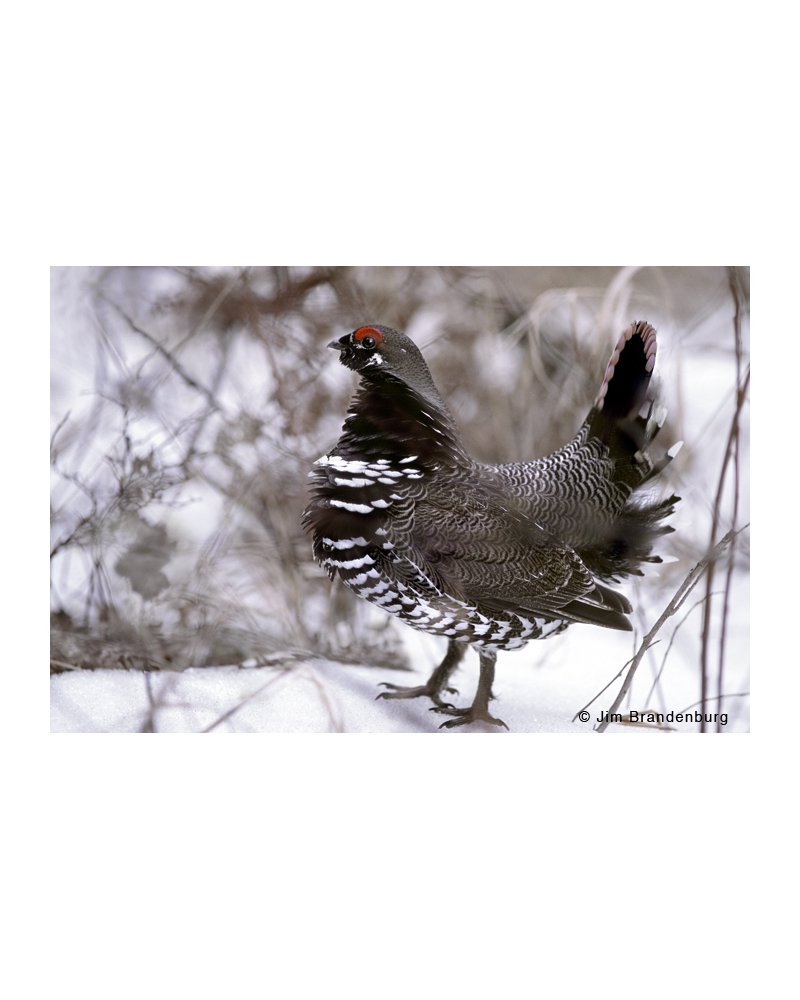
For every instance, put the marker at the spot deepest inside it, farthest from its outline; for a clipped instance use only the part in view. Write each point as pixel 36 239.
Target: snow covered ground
pixel 538 690
pixel 222 569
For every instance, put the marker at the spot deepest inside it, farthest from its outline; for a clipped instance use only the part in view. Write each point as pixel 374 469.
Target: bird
pixel 488 556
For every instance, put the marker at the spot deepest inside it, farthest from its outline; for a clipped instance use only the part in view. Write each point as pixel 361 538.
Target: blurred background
pixel 188 405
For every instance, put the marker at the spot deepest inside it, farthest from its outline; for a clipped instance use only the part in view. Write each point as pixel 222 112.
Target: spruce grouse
pixel 490 556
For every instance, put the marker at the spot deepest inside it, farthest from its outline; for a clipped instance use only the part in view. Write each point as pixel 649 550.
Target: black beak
pixel 339 345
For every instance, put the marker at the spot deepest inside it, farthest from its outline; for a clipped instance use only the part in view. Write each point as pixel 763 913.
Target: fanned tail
pixel 626 418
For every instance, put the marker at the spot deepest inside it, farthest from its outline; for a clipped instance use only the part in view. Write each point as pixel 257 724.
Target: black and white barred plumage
pixel 490 556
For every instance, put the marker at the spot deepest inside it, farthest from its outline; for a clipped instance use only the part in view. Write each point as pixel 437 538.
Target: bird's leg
pixel 479 709
pixel 436 683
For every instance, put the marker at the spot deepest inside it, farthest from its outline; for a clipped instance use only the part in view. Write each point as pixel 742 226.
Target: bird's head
pixel 379 349
pixel 378 353
pixel 385 357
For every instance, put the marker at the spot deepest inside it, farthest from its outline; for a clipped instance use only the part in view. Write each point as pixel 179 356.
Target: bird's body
pixel 488 556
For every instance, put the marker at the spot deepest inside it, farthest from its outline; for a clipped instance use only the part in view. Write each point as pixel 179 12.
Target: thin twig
pixel 63 665
pixel 173 361
pixel 254 694
pixel 674 605
pixel 733 435
pixel 669 647
pixel 721 697
pixel 737 326
pixel 61 423
pixel 603 689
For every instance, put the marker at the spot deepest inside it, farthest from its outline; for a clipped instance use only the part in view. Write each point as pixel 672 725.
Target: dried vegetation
pixel 189 404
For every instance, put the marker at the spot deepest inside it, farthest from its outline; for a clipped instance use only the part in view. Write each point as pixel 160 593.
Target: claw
pixel 469 717
pixel 465 716
pixel 424 691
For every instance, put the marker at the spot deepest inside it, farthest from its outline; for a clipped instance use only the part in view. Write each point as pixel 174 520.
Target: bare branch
pixel 173 361
pixel 674 605
pixel 731 451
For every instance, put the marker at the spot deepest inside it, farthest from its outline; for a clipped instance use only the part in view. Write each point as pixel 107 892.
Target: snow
pixel 538 690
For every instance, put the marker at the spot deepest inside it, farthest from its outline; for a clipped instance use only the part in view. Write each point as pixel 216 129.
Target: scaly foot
pixel 423 691
pixel 436 683
pixel 478 711
pixel 465 716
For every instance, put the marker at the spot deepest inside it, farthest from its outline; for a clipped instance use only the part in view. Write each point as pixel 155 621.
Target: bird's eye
pixel 368 336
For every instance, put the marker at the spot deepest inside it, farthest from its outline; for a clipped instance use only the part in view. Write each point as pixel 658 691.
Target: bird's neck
pixel 390 420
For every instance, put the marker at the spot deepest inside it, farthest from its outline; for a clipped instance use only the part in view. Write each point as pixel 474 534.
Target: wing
pixel 485 552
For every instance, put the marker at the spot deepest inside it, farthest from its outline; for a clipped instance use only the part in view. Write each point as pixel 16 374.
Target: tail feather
pixel 628 373
pixel 626 418
pixel 627 414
